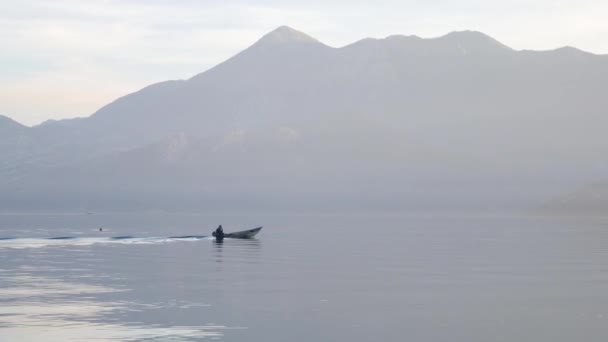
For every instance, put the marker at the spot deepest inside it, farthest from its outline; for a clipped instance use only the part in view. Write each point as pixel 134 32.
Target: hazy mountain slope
pixel 591 199
pixel 13 136
pixel 15 147
pixel 455 117
pixel 262 164
pixel 9 127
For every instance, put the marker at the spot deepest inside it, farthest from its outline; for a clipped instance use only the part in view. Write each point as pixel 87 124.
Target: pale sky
pixel 67 58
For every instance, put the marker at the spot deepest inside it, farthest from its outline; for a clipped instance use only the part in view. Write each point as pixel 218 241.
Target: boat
pixel 245 234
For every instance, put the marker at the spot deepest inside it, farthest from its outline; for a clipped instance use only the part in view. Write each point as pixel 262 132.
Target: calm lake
pixel 305 278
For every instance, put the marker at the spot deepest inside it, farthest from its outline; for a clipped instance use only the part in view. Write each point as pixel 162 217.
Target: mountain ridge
pixel 286 34
pixel 6 121
pixel 441 119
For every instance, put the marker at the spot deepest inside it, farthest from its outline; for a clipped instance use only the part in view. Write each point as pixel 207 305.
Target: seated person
pixel 219 233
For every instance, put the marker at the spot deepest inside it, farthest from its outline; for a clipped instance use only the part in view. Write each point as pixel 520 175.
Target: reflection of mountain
pixel 396 122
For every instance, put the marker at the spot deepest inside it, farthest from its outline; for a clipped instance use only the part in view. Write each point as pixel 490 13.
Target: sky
pixel 68 58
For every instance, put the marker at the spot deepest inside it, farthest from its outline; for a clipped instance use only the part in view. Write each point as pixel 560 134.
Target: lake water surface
pixel 305 278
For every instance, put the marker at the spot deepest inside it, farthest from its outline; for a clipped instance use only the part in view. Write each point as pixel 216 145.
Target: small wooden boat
pixel 245 234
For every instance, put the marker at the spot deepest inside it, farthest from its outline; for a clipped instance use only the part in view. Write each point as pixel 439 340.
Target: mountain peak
pixel 469 35
pixel 572 51
pixel 474 40
pixel 286 34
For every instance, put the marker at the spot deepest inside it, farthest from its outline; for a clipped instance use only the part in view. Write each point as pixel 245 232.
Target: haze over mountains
pixel 459 122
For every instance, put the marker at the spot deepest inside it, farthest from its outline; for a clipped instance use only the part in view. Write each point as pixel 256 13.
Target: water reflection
pixel 218 245
pixel 36 308
pixel 242 250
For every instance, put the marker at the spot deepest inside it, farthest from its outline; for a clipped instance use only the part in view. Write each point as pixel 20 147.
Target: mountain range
pixel 458 122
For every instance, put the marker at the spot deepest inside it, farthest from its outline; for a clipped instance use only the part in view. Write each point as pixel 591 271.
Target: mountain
pixel 12 134
pixel 15 147
pixel 10 127
pixel 588 200
pixel 401 122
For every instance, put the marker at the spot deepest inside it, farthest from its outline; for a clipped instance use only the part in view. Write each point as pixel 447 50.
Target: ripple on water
pixel 36 308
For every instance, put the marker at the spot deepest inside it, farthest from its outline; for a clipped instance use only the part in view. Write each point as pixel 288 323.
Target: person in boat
pixel 219 233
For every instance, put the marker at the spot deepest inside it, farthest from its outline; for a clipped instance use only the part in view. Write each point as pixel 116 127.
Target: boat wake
pixel 18 243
